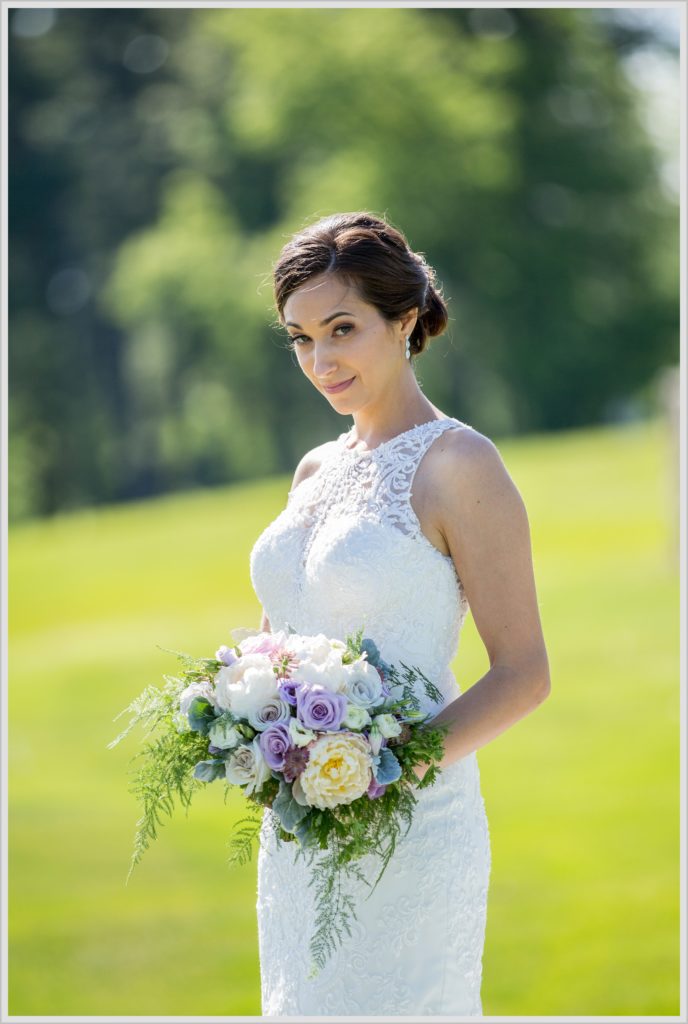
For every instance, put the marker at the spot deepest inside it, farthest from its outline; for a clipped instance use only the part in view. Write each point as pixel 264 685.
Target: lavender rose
pixel 287 689
pixel 274 743
pixel 273 711
pixel 320 708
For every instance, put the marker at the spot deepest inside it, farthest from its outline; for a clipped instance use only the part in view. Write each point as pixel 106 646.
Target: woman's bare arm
pixel 483 519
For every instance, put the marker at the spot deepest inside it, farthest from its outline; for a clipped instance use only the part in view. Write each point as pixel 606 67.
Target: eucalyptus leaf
pixel 201 715
pixel 289 812
pixel 371 649
pixel 386 767
pixel 208 771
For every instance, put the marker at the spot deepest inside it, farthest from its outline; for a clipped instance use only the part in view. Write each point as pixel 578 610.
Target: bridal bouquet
pixel 322 732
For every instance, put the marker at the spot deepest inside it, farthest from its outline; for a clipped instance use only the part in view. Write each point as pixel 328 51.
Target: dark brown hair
pixel 375 257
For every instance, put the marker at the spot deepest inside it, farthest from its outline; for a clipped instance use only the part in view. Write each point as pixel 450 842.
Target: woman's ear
pixel 408 321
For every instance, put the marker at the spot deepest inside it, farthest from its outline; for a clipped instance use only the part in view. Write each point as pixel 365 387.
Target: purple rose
pixel 274 742
pixel 226 655
pixel 288 690
pixel 319 708
pixel 375 789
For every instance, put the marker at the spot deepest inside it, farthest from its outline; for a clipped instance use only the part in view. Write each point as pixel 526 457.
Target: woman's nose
pixel 323 362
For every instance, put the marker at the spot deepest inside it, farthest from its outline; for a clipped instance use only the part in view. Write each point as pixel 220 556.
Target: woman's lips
pixel 338 387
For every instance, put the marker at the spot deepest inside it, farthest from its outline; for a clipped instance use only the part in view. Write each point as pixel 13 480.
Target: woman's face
pixel 338 337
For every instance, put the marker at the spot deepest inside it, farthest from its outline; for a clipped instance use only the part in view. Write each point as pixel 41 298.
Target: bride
pixel 400 524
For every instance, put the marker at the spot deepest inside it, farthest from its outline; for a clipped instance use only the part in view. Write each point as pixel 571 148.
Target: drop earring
pixel 408 347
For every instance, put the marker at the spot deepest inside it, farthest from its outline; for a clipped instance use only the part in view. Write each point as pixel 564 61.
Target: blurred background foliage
pixel 160 158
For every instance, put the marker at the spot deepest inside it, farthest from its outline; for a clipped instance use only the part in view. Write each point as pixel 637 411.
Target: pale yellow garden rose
pixel 339 770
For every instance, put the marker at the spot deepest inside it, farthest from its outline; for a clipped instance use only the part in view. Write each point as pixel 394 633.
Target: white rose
pixel 338 771
pixel 356 717
pixel 223 734
pixel 246 766
pixel 299 733
pixel 388 725
pixel 273 710
pixel 202 689
pixel 363 683
pixel 255 687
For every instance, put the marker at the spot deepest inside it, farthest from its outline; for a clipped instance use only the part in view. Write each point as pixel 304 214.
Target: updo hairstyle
pixel 375 257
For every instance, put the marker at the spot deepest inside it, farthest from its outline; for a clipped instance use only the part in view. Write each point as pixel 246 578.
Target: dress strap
pixel 397 466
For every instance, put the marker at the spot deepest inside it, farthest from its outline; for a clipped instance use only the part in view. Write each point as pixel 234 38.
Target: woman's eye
pixel 296 340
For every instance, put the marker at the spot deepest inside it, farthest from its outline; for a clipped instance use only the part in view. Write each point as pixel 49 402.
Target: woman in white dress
pixel 399 526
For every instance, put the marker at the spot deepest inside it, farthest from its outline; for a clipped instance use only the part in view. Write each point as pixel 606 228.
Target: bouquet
pixel 322 732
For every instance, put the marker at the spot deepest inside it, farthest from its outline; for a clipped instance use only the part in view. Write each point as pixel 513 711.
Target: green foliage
pixel 521 167
pixel 163 769
pixel 246 832
pixel 166 774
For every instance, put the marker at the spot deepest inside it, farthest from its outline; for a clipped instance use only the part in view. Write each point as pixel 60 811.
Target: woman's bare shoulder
pixel 311 462
pixel 464 462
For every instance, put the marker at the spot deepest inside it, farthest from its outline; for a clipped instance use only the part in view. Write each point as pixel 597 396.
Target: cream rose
pixel 339 770
pixel 246 766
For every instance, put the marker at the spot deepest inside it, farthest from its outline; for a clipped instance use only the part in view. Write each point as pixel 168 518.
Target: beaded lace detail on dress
pixel 348 552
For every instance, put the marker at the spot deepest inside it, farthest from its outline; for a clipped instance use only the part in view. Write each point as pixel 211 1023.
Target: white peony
pixel 313 648
pixel 328 672
pixel 339 770
pixel 363 683
pixel 246 766
pixel 356 717
pixel 244 688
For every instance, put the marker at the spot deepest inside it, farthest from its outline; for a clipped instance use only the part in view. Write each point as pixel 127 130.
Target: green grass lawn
pixel 582 796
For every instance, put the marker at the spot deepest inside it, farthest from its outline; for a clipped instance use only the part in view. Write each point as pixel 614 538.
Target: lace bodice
pixel 348 552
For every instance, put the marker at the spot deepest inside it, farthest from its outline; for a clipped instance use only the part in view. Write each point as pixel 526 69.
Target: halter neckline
pixel 391 440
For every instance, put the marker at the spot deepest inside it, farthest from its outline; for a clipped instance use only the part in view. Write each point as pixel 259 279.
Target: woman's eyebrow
pixel 323 323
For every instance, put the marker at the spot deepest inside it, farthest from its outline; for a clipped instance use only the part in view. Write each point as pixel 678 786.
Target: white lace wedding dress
pixel 348 552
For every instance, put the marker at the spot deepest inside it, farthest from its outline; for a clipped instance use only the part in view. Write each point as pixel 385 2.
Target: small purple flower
pixel 288 690
pixel 375 789
pixel 319 708
pixel 226 655
pixel 274 742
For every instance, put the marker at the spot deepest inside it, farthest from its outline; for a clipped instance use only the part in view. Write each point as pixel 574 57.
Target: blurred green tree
pixel 160 158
